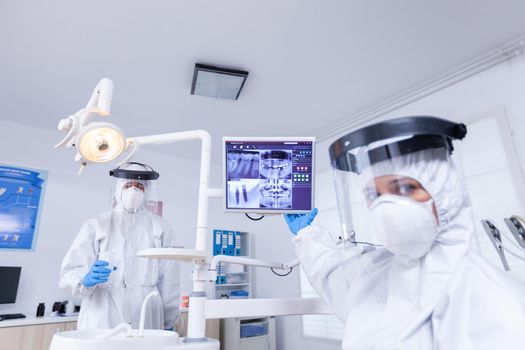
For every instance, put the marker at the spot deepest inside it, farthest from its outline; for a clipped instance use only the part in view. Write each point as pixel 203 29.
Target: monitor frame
pixel 267 139
pixel 19 268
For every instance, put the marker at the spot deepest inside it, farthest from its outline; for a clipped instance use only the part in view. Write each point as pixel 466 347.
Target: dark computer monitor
pixel 9 277
pixel 269 174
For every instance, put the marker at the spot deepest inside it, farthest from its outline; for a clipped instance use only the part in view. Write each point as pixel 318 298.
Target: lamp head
pixel 100 142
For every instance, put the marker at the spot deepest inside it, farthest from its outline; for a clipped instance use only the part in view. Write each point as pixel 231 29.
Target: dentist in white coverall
pixel 425 287
pixel 113 296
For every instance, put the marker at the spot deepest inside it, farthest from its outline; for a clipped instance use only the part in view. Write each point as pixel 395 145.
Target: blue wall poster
pixel 21 197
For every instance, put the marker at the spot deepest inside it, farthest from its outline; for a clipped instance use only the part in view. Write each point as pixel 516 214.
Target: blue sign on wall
pixel 21 197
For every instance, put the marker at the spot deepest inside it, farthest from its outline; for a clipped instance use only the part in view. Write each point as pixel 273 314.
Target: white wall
pixel 70 199
pixel 500 86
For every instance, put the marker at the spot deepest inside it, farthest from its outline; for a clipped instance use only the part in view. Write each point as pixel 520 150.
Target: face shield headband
pixel 146 175
pixel 413 134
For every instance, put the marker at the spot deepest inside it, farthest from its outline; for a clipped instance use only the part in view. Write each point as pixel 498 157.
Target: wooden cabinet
pixel 71 326
pixel 31 337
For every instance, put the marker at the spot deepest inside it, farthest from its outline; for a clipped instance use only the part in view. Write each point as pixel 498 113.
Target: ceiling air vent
pixel 217 82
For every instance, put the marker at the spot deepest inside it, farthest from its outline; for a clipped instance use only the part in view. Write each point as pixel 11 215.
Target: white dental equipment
pixel 103 142
pixel 123 337
pixel 514 223
pixel 495 237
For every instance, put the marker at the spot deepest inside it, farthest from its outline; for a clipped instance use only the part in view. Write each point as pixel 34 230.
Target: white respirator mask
pixel 132 199
pixel 404 226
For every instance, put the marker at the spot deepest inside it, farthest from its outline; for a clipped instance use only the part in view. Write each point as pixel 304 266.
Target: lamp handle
pixel 77 121
pixel 72 124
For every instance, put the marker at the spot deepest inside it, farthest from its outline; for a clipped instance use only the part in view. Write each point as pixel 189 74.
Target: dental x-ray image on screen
pixel 243 164
pixel 269 175
pixel 276 183
pixel 244 193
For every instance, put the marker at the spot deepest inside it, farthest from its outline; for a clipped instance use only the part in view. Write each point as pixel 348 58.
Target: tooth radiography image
pixel 276 164
pixel 243 193
pixel 276 193
pixel 243 164
pixel 275 168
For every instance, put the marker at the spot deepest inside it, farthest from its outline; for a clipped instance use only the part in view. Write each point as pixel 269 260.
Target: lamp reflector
pixel 101 142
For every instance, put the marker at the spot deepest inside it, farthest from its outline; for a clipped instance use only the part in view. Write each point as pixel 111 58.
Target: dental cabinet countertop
pixel 29 321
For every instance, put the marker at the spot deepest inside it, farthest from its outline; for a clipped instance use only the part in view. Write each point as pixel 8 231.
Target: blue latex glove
pixel 97 274
pixel 296 222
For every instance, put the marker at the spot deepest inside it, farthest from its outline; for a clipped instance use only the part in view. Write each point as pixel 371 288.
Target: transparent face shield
pixel 131 195
pixel 385 192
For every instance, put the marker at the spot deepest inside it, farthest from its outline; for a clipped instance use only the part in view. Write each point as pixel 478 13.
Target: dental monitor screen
pixel 269 175
pixel 10 277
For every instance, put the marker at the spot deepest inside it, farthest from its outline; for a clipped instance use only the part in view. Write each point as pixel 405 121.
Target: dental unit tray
pixel 181 254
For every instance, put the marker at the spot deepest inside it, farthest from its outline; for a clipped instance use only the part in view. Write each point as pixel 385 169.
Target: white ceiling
pixel 311 62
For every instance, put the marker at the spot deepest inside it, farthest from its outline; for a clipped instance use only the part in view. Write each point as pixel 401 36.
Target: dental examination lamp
pixel 95 142
pixel 100 142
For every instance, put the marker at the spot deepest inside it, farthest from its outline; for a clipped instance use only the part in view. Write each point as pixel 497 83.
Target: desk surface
pixel 29 321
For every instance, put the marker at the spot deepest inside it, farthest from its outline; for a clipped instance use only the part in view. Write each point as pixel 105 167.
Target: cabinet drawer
pixel 35 337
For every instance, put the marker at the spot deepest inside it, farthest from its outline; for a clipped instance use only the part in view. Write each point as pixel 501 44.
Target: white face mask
pixel 132 199
pixel 404 226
